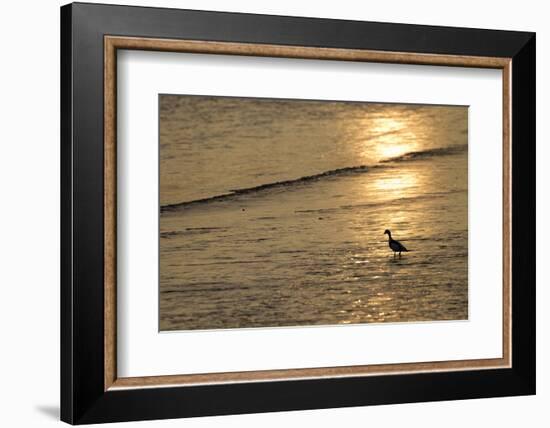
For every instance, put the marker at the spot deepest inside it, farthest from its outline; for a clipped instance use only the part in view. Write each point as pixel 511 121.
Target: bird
pixel 396 246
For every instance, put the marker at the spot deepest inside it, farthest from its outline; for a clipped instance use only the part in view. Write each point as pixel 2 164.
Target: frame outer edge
pixel 524 215
pixel 66 153
pixel 87 212
pixel 297 31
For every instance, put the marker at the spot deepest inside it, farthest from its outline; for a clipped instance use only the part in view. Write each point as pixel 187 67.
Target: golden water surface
pixel 273 212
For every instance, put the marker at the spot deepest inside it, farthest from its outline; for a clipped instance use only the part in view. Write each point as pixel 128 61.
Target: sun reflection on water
pixel 390 150
pixel 399 184
pixel 396 136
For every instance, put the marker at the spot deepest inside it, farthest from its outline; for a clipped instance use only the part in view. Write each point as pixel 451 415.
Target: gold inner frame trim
pixel 113 43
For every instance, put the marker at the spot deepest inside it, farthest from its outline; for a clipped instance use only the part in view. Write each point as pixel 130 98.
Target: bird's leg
pixel 399 253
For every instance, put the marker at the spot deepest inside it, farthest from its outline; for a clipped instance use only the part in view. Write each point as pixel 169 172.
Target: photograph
pixel 290 212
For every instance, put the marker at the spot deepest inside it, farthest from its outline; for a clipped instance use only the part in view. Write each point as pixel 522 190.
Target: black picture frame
pixel 83 398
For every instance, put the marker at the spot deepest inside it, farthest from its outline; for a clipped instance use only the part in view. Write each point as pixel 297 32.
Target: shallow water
pixel 303 243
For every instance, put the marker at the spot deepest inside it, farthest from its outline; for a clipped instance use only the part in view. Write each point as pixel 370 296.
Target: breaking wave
pixel 360 169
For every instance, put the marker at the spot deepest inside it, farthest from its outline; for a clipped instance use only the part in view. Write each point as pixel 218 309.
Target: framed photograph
pixel 266 213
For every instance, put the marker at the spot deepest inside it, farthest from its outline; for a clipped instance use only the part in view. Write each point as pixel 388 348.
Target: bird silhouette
pixel 396 246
